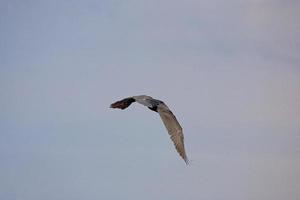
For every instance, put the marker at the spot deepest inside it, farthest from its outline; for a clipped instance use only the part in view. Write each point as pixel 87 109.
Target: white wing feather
pixel 174 129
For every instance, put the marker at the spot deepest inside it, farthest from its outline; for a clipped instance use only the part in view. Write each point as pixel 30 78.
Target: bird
pixel 169 120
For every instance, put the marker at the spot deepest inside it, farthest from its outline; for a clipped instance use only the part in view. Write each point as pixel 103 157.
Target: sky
pixel 229 71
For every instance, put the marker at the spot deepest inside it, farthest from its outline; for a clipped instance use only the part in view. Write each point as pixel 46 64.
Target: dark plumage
pixel 123 103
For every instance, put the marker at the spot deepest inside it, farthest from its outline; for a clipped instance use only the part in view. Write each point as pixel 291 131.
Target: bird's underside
pixel 172 125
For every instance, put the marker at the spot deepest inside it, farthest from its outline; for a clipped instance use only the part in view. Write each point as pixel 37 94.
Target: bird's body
pixel 173 127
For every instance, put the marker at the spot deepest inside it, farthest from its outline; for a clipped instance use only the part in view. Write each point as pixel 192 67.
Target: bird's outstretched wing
pixel 122 104
pixel 174 129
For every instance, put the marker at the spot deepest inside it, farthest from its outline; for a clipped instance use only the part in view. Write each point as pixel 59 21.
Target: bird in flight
pixel 172 125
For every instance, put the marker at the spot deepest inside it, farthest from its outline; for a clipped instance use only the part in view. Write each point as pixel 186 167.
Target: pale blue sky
pixel 230 71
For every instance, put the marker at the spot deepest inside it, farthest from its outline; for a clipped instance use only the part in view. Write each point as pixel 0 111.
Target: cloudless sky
pixel 229 70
